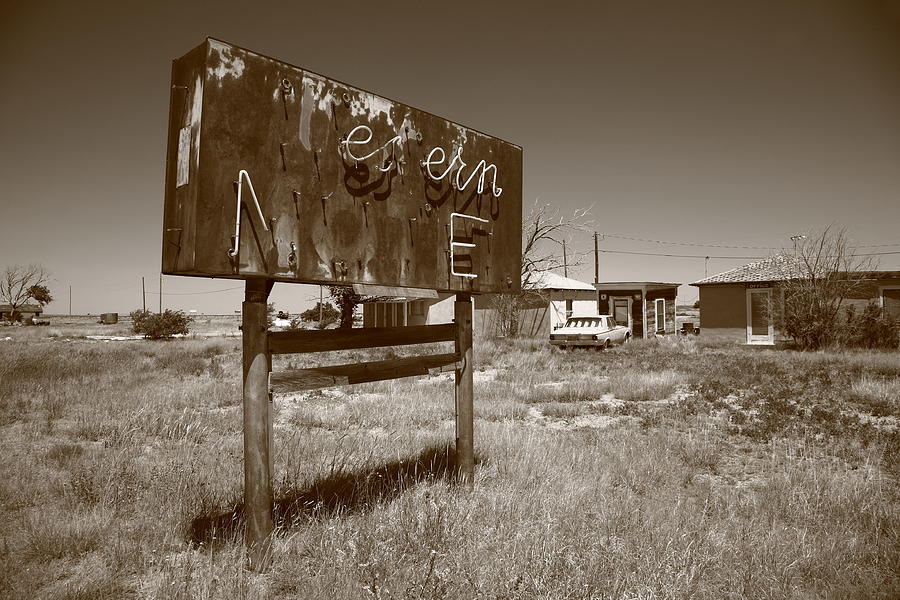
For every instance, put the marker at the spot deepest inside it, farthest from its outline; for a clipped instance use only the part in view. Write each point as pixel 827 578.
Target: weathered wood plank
pixel 465 409
pixel 258 495
pixel 319 377
pixel 365 289
pixel 292 342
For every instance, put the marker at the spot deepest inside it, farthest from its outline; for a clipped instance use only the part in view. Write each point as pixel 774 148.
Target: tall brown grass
pixel 726 474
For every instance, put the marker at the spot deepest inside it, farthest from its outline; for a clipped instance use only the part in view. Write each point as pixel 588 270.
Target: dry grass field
pixel 655 470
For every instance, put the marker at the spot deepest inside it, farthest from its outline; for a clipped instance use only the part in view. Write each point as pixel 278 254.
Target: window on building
pixel 660 310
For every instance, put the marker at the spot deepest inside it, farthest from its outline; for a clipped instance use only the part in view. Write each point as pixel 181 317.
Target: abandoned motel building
pixel 735 304
pixel 24 312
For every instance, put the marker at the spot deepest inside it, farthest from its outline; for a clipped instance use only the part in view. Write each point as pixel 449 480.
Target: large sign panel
pixel 277 172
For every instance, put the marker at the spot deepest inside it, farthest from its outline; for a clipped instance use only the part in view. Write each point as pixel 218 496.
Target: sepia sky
pixel 717 122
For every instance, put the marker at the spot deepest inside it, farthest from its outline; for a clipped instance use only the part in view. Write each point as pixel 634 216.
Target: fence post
pixel 258 497
pixel 465 426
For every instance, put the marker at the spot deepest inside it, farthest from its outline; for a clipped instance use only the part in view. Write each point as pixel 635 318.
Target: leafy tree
pixel 41 294
pixel 329 314
pixel 162 325
pixel 346 300
pixel 18 283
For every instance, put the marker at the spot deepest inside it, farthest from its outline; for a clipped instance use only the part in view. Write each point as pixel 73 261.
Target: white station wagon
pixel 600 330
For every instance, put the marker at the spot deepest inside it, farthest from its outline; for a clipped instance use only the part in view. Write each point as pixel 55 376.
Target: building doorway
pixel 620 308
pixel 760 326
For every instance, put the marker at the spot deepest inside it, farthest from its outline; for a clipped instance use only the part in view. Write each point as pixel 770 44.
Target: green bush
pixel 329 314
pixel 872 329
pixel 156 326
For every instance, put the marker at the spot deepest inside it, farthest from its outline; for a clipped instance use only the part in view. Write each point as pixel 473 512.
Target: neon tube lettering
pixel 455 244
pixel 345 146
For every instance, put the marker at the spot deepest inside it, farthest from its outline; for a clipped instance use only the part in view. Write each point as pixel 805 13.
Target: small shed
pixel 648 307
pixel 550 299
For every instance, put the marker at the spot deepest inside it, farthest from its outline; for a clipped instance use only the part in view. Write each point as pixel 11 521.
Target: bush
pixel 160 325
pixel 872 329
pixel 329 314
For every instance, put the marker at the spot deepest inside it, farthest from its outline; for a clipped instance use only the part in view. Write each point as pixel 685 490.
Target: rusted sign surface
pixel 277 172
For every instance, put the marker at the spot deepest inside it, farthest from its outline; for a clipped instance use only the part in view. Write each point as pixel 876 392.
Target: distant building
pixel 554 298
pixel 648 307
pixel 23 313
pixel 735 305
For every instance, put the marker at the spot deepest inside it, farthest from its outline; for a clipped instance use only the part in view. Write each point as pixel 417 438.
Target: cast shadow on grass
pixel 339 493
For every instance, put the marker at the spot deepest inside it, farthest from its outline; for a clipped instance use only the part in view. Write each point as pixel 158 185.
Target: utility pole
pixel 797 238
pixel 706 267
pixel 597 270
pixel 565 260
pixel 160 293
pixel 143 294
pixel 70 300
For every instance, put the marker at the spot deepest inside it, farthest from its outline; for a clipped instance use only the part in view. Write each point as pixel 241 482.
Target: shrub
pixel 329 314
pixel 157 326
pixel 872 329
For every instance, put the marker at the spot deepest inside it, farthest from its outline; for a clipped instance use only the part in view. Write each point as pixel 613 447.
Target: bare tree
pixel 543 231
pixel 19 284
pixel 817 276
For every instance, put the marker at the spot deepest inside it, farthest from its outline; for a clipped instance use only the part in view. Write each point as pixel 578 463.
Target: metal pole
pixel 597 270
pixel 320 306
pixel 70 300
pixel 143 294
pixel 257 363
pixel 706 268
pixel 565 260
pixel 160 293
pixel 465 410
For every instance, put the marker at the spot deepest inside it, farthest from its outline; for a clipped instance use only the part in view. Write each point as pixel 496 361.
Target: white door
pixel 760 326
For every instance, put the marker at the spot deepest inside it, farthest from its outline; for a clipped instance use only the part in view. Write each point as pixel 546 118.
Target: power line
pixel 712 245
pixel 195 293
pixel 638 239
pixel 679 255
pixel 734 257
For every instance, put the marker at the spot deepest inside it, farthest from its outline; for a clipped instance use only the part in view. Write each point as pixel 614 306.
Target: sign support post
pixel 465 417
pixel 257 364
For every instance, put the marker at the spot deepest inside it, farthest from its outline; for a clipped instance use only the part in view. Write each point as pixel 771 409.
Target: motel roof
pixel 774 268
pixel 547 280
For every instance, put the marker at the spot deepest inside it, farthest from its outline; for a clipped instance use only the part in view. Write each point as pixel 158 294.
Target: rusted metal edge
pixel 347 85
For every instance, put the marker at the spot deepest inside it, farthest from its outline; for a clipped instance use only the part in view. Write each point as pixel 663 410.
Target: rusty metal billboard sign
pixel 280 173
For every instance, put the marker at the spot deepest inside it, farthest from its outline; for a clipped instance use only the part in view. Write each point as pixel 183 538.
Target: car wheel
pixel 627 339
pixel 606 344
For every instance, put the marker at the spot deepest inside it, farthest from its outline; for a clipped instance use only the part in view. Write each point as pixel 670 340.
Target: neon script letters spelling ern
pixel 362 134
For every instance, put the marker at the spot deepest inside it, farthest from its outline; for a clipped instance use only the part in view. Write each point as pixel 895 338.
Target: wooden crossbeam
pixel 319 377
pixel 291 342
